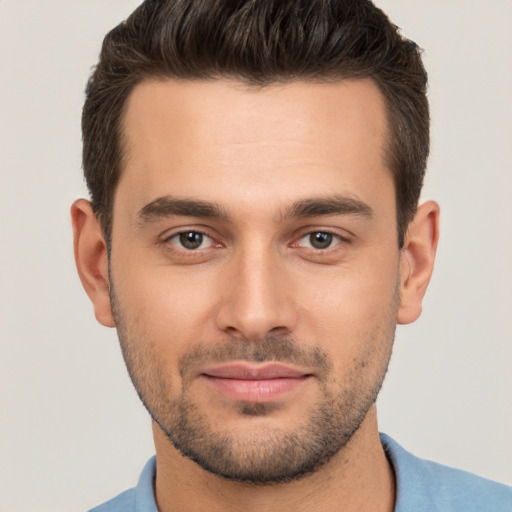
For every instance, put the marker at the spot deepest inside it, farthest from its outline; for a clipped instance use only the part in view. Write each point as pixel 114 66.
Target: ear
pixel 91 259
pixel 417 261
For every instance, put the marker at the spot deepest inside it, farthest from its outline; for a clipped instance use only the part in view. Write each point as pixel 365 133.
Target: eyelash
pixel 334 238
pixel 168 240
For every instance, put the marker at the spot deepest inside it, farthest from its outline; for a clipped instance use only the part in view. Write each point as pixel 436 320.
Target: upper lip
pixel 247 371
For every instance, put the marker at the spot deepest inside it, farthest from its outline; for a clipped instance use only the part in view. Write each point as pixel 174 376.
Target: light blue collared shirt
pixel 422 486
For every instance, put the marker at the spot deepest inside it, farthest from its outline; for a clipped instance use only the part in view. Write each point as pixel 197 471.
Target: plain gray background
pixel 72 431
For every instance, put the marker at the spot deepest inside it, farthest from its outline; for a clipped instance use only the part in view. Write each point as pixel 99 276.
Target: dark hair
pixel 258 42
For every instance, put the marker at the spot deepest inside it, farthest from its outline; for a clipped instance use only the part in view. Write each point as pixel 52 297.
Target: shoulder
pixel 425 485
pixel 139 499
pixel 124 502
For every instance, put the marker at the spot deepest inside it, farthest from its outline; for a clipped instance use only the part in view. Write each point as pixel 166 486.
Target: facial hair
pixel 272 455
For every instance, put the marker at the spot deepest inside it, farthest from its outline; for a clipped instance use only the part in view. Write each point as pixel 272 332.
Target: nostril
pixel 279 330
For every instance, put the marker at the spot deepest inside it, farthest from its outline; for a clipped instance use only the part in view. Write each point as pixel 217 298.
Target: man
pixel 254 235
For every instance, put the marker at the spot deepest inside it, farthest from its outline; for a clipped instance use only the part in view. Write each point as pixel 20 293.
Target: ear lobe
pixel 91 259
pixel 417 261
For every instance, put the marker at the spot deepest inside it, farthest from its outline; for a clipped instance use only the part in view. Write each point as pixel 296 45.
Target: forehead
pixel 207 138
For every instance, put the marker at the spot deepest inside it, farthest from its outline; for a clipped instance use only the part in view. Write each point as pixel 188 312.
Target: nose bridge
pixel 259 299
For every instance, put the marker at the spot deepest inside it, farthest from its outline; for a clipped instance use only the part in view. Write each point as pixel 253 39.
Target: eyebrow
pixel 167 206
pixel 332 205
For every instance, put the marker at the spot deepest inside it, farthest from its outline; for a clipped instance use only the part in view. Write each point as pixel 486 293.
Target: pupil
pixel 321 240
pixel 191 240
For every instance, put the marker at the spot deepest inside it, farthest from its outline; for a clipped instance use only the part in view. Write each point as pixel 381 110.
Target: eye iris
pixel 320 240
pixel 191 240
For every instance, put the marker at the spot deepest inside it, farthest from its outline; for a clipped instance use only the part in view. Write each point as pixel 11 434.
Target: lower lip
pixel 256 390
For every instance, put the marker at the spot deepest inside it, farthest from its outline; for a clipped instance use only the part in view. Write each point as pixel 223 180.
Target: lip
pixel 254 382
pixel 247 371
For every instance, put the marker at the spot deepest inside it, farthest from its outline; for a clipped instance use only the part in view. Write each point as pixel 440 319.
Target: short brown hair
pixel 258 42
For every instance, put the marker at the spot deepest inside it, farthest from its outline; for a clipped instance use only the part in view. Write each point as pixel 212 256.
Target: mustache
pixel 272 348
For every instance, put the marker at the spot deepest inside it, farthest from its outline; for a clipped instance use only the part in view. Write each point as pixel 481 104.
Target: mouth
pixel 255 382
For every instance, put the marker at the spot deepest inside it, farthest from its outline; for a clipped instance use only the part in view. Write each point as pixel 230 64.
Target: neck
pixel 358 477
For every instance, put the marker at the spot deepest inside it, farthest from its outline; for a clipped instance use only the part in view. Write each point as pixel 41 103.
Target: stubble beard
pixel 271 455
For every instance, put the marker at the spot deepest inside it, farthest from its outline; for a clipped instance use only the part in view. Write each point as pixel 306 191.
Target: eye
pixel 191 240
pixel 319 240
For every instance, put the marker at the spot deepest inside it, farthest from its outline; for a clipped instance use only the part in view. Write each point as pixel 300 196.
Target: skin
pixel 257 155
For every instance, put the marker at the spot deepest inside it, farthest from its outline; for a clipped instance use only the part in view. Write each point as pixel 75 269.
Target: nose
pixel 256 298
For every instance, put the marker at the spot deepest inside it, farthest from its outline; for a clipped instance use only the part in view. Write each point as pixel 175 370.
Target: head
pixel 257 43
pixel 254 232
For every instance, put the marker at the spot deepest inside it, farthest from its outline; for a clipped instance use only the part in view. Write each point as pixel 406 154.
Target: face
pixel 254 268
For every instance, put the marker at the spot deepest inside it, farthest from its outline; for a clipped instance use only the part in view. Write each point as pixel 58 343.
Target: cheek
pixel 160 318
pixel 164 308
pixel 350 310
